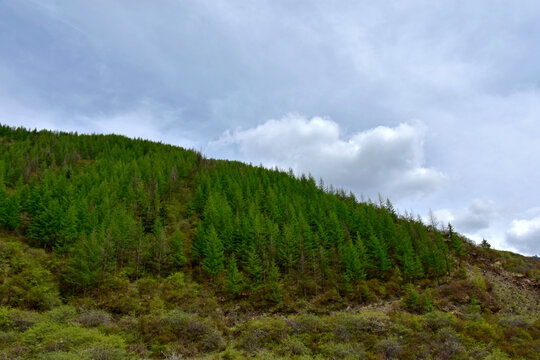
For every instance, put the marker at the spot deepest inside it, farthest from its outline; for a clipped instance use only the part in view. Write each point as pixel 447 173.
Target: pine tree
pixel 83 268
pixel 235 279
pixel 177 248
pixel 352 265
pixel 276 292
pixel 254 269
pixel 68 230
pixel 11 213
pixel 213 261
pixel 378 254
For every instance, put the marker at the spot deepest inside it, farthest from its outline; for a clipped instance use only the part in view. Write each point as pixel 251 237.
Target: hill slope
pixel 113 248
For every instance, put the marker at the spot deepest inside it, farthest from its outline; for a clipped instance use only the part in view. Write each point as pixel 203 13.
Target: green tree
pixel 235 280
pixel 84 264
pixel 254 269
pixel 352 265
pixel 177 248
pixel 276 291
pixel 213 261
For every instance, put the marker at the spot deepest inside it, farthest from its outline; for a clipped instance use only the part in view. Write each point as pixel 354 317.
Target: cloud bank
pixel 383 159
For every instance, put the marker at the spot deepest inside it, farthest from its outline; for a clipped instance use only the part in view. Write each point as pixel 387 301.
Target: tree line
pixel 108 204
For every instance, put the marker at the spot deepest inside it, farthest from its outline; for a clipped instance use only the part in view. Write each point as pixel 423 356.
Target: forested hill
pixel 132 227
pixel 114 204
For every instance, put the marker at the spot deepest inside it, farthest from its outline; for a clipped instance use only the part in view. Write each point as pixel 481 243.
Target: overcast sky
pixel 433 104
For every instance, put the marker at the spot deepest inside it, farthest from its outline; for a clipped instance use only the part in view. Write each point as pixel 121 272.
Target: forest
pixel 114 248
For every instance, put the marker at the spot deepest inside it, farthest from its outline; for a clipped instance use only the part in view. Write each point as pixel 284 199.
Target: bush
pixel 478 280
pixel 60 355
pixel 343 351
pixel 264 333
pixel 497 354
pixel 514 321
pixel 451 346
pixel 306 323
pixel 25 282
pixel 365 321
pixel 104 352
pixel 293 347
pixel 94 318
pixel 390 348
pixel 15 319
pixel 49 336
pixel 436 320
pixel 414 302
pixel 63 314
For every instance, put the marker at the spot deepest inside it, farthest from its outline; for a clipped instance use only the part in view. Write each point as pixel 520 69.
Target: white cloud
pixel 384 159
pixel 524 234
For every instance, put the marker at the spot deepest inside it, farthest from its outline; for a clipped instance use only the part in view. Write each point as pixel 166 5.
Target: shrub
pixel 306 323
pixel 451 346
pixel 514 321
pixel 62 314
pixel 15 319
pixel 481 331
pixel 212 341
pixel 104 352
pixel 365 321
pixel 497 354
pixel 60 355
pixel 436 320
pixel 343 351
pixel 49 336
pixel 94 318
pixel 389 347
pixel 264 333
pixel 293 347
pixel 414 302
pixel 478 280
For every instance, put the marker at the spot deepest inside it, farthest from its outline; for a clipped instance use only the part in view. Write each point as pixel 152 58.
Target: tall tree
pixel 177 248
pixel 235 280
pixel 214 257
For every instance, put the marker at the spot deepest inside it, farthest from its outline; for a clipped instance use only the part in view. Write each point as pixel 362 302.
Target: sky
pixel 435 105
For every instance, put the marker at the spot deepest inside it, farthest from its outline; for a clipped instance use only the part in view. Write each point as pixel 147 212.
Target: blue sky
pixel 435 105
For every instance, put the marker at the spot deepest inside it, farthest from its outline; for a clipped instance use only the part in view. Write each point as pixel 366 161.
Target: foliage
pixel 115 248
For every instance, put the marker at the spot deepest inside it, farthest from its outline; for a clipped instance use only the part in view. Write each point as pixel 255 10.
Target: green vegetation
pixel 115 248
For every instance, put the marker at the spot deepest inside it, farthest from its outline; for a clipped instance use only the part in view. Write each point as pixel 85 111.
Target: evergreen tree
pixel 254 269
pixel 177 248
pixel 276 291
pixel 10 215
pixel 83 268
pixel 213 261
pixel 68 230
pixel 352 265
pixel 235 280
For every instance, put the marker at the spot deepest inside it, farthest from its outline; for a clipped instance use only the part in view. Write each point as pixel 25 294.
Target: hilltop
pixel 118 248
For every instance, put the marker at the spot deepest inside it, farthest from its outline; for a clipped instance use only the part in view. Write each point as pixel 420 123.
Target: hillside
pixel 117 248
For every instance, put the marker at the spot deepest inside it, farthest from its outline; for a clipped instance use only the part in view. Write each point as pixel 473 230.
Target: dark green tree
pixel 214 257
pixel 177 249
pixel 84 264
pixel 235 280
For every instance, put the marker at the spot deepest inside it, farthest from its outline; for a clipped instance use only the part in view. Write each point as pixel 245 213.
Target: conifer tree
pixel 214 257
pixel 177 248
pixel 276 291
pixel 352 264
pixel 254 269
pixel 68 229
pixel 83 266
pixel 11 213
pixel 235 280
pixel 379 254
